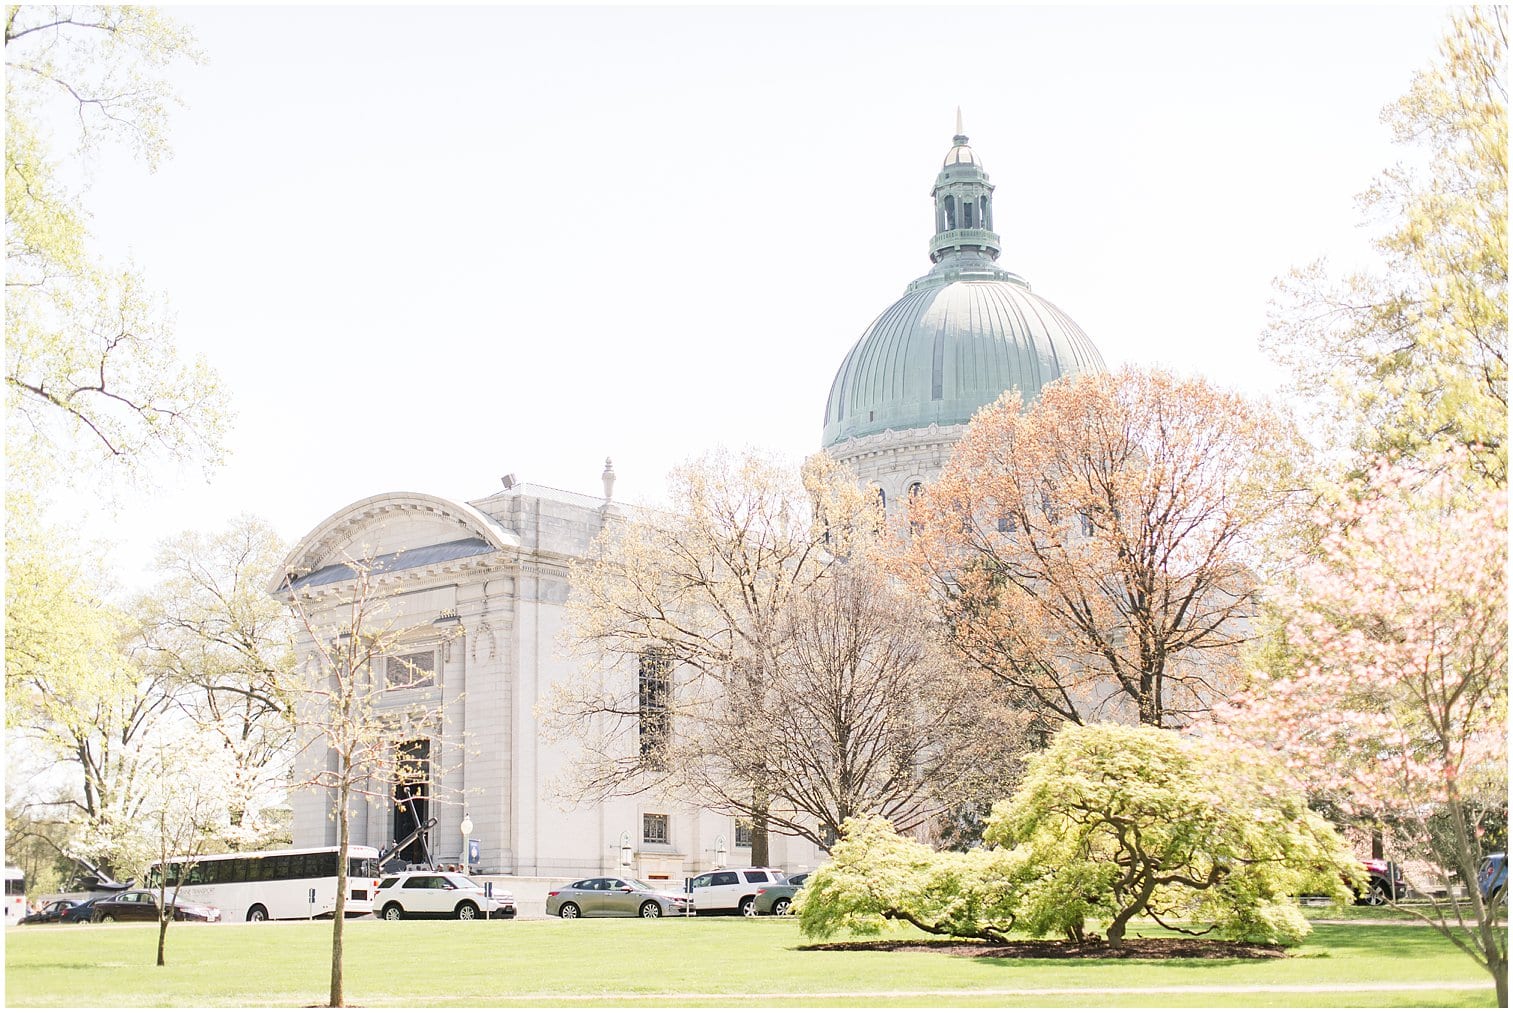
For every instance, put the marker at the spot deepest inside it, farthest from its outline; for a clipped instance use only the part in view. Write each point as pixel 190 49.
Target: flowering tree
pixel 1097 551
pixel 1398 704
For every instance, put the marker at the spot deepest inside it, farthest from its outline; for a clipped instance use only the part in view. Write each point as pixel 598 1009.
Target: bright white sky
pixel 427 247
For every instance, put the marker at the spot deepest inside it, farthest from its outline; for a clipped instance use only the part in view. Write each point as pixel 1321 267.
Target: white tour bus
pixel 15 895
pixel 260 885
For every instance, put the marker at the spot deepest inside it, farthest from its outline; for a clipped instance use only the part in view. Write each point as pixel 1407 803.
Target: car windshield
pixel 637 884
pixel 464 883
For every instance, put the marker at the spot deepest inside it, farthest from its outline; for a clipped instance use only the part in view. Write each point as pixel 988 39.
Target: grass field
pixel 691 962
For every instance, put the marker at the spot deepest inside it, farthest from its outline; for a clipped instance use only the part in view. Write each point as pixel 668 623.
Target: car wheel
pixel 257 913
pixel 748 907
pixel 107 918
pixel 467 911
pixel 651 909
pixel 781 906
pixel 568 910
pixel 1376 894
pixel 393 913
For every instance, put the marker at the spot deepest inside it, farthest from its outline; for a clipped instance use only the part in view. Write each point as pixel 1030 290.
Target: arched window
pixel 915 489
pixel 950 212
pixel 882 498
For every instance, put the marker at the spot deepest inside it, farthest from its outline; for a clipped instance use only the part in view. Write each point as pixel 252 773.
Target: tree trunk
pixel 1493 940
pixel 339 917
pixel 1150 700
pixel 760 853
pixel 1121 920
pixel 163 939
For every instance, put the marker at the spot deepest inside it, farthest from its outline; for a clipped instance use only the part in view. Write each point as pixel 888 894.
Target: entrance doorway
pixel 412 798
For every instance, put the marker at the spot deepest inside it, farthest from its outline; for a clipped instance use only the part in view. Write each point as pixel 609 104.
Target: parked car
pixel 778 898
pixel 1384 882
pixel 142 906
pixel 731 891
pixel 1492 877
pixel 51 914
pixel 82 913
pixel 427 894
pixel 615 897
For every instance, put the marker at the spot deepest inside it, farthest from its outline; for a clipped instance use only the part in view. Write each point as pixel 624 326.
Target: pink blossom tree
pixel 1395 706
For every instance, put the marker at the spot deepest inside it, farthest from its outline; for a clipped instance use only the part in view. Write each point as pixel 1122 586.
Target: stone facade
pixel 893 462
pixel 480 589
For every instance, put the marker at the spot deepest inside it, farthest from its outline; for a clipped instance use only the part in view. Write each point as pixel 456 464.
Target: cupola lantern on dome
pixel 962 334
pixel 963 205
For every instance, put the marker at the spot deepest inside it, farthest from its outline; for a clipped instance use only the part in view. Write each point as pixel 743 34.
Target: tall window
pixel 654 828
pixel 655 704
pixel 742 832
pixel 410 671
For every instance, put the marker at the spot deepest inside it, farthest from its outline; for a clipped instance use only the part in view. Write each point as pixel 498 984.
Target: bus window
pixel 15 895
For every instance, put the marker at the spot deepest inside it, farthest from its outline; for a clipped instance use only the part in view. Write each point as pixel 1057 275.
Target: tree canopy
pixel 91 369
pixel 1412 356
pixel 1394 703
pixel 1098 550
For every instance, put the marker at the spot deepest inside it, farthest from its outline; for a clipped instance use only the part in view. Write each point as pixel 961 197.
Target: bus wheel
pixel 393 913
pixel 257 913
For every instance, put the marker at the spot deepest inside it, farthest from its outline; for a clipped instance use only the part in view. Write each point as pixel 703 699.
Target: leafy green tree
pixel 1413 356
pixel 228 647
pixel 1111 822
pixel 1115 822
pixel 91 369
pixel 91 375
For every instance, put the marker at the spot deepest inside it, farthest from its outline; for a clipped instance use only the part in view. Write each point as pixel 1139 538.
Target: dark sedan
pixel 778 898
pixel 53 914
pixel 142 906
pixel 82 912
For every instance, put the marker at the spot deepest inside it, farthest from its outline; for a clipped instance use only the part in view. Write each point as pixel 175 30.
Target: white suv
pixel 730 890
pixel 421 894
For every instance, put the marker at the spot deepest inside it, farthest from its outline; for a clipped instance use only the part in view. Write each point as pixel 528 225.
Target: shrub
pixel 1112 822
pixel 875 876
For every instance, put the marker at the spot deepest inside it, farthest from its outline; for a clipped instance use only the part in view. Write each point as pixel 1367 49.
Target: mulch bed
pixel 1097 949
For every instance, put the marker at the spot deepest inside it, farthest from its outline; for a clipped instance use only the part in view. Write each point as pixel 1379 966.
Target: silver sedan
pixel 615 897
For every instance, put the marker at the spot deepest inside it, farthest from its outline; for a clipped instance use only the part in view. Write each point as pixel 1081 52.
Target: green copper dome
pixel 962 334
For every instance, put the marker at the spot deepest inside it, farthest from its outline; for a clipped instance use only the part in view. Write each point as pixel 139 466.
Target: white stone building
pixel 479 588
pixel 474 596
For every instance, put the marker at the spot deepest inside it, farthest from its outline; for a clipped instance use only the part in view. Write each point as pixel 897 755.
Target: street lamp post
pixel 466 828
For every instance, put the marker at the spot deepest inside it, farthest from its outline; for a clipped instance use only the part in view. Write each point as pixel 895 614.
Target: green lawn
pixel 689 962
